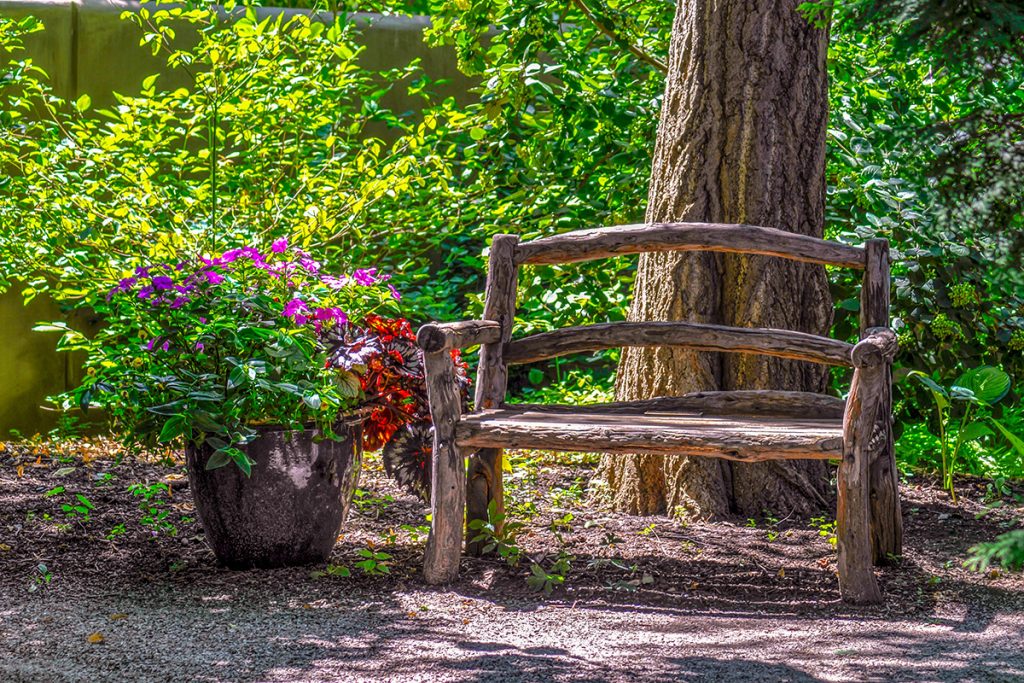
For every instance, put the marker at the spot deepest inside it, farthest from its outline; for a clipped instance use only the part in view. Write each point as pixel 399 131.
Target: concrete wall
pixel 87 48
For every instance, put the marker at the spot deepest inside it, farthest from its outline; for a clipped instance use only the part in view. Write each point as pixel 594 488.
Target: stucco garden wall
pixel 87 48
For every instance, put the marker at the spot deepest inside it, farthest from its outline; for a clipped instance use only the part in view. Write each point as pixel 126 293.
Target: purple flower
pixel 335 314
pixel 395 293
pixel 162 282
pixel 301 319
pixel 213 277
pixel 365 276
pixel 311 266
pixel 200 346
pixel 166 345
pixel 179 301
pixel 293 307
pixel 279 246
pixel 145 292
pixel 142 271
pixel 149 345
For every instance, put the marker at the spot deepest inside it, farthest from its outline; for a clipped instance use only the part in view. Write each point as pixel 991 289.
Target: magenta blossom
pixel 213 277
pixel 394 292
pixel 365 276
pixel 293 308
pixel 279 246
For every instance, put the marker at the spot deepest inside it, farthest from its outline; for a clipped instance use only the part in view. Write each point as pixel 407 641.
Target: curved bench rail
pixel 587 245
pixel 769 342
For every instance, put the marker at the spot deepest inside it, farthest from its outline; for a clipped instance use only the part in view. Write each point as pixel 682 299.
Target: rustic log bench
pixel 746 426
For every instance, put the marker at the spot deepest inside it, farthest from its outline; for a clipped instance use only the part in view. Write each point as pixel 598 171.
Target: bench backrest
pixel 508 253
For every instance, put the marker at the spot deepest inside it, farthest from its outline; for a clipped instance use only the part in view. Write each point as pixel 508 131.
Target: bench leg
pixel 483 486
pixel 857 582
pixel 448 474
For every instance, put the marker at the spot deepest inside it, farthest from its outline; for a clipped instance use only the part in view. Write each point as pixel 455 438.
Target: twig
pixel 619 40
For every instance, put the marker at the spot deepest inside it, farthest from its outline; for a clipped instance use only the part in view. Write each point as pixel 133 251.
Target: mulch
pixel 760 566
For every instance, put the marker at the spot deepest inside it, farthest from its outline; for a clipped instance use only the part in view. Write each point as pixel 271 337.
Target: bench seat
pixel 609 429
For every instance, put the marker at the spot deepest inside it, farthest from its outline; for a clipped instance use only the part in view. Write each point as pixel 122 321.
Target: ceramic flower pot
pixel 290 510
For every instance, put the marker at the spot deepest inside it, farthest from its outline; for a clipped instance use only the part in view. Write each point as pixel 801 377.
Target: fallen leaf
pixel 96 638
pixel 465 622
pixel 411 615
pixel 694 585
pixel 782 573
pixel 63 472
pixel 118 617
pixel 20 469
pixel 4 547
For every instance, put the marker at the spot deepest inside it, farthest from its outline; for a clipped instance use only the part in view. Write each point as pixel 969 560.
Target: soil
pixel 128 590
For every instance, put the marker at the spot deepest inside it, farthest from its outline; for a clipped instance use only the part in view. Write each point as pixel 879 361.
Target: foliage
pixel 977 390
pixel 209 350
pixel 271 140
pixel 498 535
pixel 1007 550
pixel 546 579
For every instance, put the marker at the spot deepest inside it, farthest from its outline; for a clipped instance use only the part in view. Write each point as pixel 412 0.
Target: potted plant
pixel 266 368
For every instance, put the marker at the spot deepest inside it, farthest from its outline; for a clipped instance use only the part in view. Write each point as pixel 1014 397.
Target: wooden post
pixel 853 516
pixel 484 482
pixel 448 472
pixel 886 517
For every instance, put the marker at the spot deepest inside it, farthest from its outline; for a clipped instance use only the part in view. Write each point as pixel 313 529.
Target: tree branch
pixel 619 40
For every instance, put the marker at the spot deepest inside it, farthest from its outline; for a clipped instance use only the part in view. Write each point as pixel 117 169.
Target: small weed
pixel 41 578
pixel 338 571
pixel 155 514
pixel 78 510
pixel 648 530
pixel 826 529
pixel 417 534
pixel 374 563
pixel 117 530
pixel 368 504
pixel 498 536
pixel 546 580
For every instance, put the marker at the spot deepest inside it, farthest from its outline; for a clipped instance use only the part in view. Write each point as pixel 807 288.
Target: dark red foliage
pixel 383 354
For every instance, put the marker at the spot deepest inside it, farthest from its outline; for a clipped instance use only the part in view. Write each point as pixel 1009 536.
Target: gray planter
pixel 290 510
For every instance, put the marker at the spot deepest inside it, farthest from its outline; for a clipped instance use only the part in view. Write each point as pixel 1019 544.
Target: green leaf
pixel 974 431
pixel 240 459
pixel 989 384
pixel 1015 441
pixel 938 393
pixel 313 401
pixel 173 428
pixel 83 103
pixel 172 408
pixel 218 459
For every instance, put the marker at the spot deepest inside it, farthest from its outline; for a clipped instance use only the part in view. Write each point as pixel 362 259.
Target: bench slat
pixel 757 402
pixel 769 342
pixel 742 438
pixel 587 245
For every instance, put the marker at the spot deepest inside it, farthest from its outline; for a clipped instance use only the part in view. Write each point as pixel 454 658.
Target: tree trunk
pixel 741 140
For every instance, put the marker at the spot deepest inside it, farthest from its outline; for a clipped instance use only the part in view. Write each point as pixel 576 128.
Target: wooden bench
pixel 746 426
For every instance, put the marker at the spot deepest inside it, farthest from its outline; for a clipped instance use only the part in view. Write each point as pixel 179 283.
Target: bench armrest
pixel 436 337
pixel 878 348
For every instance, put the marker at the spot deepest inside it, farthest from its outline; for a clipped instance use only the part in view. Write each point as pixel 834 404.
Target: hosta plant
pixel 964 417
pixel 208 350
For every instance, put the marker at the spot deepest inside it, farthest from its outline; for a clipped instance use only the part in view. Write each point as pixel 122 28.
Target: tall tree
pixel 741 140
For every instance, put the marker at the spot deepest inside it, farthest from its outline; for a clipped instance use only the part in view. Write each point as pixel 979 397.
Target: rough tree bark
pixel 741 140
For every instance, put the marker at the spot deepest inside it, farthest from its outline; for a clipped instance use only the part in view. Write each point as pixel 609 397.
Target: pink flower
pixel 213 277
pixel 279 246
pixel 395 293
pixel 365 276
pixel 292 308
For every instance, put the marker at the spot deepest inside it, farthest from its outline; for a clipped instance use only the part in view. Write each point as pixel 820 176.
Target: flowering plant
pixel 206 350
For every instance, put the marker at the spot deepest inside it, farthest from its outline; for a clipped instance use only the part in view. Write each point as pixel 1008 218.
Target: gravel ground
pixel 647 598
pixel 203 633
